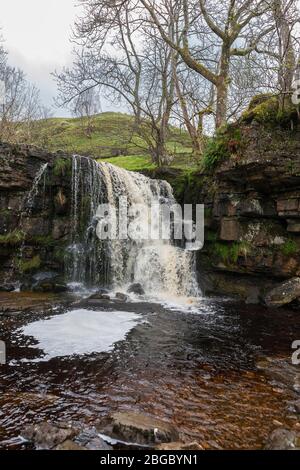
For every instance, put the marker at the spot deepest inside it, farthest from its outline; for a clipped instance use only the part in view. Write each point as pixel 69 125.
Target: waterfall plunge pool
pixel 200 372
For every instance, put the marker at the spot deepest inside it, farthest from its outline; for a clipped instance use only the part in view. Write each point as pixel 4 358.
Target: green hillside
pixel 111 139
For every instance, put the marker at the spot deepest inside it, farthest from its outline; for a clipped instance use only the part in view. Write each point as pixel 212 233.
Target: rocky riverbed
pixel 215 375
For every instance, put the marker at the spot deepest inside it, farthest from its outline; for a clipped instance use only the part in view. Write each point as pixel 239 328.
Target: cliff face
pixel 34 225
pixel 252 207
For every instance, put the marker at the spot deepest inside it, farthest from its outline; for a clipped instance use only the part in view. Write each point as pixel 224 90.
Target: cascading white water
pixel 163 269
pixel 31 195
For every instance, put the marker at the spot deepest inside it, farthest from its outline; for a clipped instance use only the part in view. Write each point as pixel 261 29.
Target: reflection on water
pixel 79 332
pixel 195 370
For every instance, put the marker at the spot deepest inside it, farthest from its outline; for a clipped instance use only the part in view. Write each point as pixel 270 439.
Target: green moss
pixel 267 110
pixel 12 238
pixel 62 167
pixel 42 240
pixel 30 265
pixel 289 248
pixel 229 253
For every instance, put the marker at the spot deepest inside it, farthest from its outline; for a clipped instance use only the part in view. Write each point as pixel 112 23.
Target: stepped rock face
pixel 38 227
pixel 252 207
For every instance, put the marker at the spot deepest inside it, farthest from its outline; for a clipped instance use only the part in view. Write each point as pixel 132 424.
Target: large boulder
pixel 284 293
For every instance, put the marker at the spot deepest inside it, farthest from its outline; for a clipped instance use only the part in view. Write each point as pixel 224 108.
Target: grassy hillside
pixel 111 139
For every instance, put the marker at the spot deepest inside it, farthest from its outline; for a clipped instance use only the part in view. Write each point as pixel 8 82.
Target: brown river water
pixel 209 371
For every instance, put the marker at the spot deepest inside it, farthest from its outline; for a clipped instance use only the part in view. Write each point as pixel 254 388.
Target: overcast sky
pixel 36 34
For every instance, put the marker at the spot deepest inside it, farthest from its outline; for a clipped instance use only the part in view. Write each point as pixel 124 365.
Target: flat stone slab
pixel 140 429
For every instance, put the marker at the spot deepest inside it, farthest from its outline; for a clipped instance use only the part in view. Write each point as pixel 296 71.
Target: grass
pixel 30 265
pixel 12 238
pixel 112 136
pixel 230 253
pixel 289 248
pixel 131 162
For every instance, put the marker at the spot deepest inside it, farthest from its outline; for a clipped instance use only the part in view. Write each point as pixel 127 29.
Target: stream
pixel 219 371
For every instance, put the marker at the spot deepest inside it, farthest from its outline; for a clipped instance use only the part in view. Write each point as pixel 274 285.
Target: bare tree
pixel 138 74
pixel 233 27
pixel 85 106
pixel 20 104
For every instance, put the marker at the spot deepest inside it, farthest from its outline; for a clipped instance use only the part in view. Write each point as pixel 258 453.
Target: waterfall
pixel 161 267
pixel 31 195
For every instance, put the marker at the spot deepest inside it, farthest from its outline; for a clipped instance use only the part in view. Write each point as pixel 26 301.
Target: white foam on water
pixel 80 332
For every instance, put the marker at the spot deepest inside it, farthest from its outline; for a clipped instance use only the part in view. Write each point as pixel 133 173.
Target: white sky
pixel 36 34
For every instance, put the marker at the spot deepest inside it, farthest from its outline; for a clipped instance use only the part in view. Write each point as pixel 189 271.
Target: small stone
pixel 122 297
pixel 277 423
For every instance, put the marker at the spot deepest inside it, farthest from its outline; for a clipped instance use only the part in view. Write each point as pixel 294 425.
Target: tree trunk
pixel 287 64
pixel 222 87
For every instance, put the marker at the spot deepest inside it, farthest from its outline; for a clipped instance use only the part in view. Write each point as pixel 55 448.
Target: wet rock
pixel 36 227
pixel 180 446
pixel 91 440
pixel 121 297
pixel 140 429
pixel 7 288
pixel 253 297
pixel 230 230
pixel 136 289
pixel 69 445
pixel 47 436
pixel 283 439
pixel 297 406
pixel 100 295
pixel 293 226
pixel 45 282
pixel 60 229
pixel 283 294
